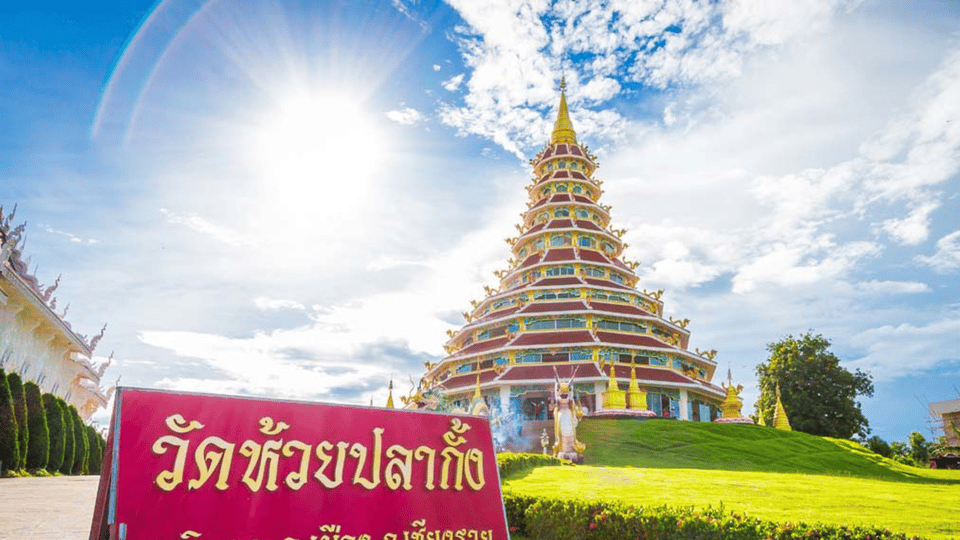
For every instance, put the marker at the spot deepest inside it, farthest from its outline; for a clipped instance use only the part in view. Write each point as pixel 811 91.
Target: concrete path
pixel 58 508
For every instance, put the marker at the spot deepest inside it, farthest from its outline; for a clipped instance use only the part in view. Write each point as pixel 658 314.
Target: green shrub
pixel 54 416
pixel 38 449
pixel 80 442
pixel 554 519
pixel 9 443
pixel 20 410
pixel 509 463
pixel 69 446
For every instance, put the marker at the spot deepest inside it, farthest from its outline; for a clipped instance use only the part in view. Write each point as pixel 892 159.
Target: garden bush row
pixel 509 463
pixel 41 433
pixel 554 519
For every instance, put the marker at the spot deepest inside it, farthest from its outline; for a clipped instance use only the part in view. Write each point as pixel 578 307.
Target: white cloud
pixel 264 303
pixel 205 226
pixel 453 83
pixel 406 116
pixel 892 287
pixel 70 236
pixel 436 67
pixel 907 348
pixel 947 257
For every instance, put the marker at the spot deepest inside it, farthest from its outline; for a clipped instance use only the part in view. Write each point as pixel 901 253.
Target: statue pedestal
pixel 614 399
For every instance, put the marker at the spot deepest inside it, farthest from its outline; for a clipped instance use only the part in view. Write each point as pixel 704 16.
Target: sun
pixel 314 147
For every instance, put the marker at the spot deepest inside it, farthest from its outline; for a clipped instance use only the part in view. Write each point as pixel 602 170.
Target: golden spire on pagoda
pixel 638 398
pixel 390 397
pixel 563 128
pixel 730 407
pixel 476 390
pixel 780 420
pixel 614 397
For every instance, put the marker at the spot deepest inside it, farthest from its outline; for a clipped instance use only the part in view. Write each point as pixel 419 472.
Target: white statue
pixel 566 416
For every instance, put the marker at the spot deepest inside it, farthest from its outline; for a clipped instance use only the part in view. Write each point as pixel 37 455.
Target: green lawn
pixel 770 474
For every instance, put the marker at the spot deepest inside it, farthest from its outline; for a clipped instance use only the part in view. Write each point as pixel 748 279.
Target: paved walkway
pixel 59 508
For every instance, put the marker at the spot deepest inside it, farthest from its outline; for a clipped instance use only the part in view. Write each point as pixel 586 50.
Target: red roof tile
pixel 560 224
pixel 499 313
pixel 559 254
pixel 581 198
pixel 481 346
pixel 574 149
pixel 541 202
pixel 535 228
pixel 546 307
pixel 561 174
pixel 605 283
pixel 619 263
pixel 558 282
pixel 469 379
pixel 587 224
pixel 631 339
pixel 552 338
pixel 547 153
pixel 522 372
pixel 531 260
pixel 560 197
pixel 592 256
pixel 561 149
pixel 626 309
pixel 577 174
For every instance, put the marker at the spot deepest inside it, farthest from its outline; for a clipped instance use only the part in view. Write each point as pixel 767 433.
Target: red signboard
pixel 186 466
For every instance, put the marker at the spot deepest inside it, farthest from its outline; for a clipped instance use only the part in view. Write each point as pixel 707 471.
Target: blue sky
pixel 297 199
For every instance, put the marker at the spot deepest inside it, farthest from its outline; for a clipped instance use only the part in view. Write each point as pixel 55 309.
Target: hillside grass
pixel 770 474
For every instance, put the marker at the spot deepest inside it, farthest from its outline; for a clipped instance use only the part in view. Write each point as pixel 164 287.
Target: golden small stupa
pixel 730 407
pixel 780 420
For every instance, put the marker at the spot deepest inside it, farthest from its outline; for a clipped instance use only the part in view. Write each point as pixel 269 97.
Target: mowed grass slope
pixel 770 474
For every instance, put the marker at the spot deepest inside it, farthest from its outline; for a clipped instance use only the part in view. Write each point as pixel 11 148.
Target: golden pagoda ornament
pixel 614 397
pixel 730 408
pixel 780 420
pixel 390 395
pixel 637 399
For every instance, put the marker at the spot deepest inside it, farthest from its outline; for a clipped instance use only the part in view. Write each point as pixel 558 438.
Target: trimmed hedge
pixel 9 444
pixel 81 447
pixel 555 519
pixel 509 463
pixel 54 416
pixel 20 410
pixel 95 455
pixel 69 446
pixel 38 449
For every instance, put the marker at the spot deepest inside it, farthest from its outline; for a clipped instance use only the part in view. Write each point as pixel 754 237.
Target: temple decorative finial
pixel 563 128
pixel 780 420
pixel 476 390
pixel 390 396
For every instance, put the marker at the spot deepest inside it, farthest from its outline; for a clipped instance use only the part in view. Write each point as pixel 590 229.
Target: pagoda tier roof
pixel 625 309
pixel 499 313
pixel 560 197
pixel 524 372
pixel 531 260
pixel 568 281
pixel 586 200
pixel 482 346
pixel 605 283
pixel 569 337
pixel 549 307
pixel 564 223
pixel 562 174
pixel 469 379
pixel 539 203
pixel 593 256
pixel 631 339
pixel 587 224
pixel 560 255
pixel 535 228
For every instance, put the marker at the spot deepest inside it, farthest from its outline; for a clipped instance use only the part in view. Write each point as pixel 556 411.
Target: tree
pixel 879 446
pixel 919 448
pixel 9 443
pixel 69 448
pixel 819 395
pixel 38 450
pixel 57 437
pixel 95 456
pixel 20 409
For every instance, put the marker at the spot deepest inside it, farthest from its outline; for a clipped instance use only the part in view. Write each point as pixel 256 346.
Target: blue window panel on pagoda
pixel 704 412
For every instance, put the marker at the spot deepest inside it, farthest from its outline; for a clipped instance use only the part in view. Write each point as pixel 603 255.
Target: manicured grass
pixel 770 474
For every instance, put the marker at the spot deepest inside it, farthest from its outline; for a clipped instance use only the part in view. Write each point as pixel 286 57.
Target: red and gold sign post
pixel 191 466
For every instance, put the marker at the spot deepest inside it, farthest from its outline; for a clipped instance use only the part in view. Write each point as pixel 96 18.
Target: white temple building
pixel 35 341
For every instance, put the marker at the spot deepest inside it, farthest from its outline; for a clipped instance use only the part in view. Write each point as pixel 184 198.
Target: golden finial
pixel 563 128
pixel 780 420
pixel 390 396
pixel 476 391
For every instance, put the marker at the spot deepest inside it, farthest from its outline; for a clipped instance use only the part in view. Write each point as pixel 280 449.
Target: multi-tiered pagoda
pixel 568 305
